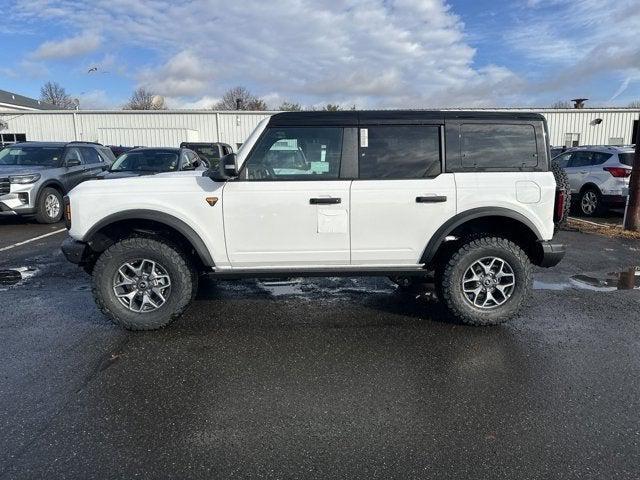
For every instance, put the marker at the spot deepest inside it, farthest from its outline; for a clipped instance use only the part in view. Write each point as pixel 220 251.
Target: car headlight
pixel 24 179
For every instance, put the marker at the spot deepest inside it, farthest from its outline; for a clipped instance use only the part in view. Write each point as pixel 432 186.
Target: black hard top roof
pixel 354 117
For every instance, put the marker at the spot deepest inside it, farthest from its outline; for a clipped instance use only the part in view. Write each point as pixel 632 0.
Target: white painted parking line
pixel 32 239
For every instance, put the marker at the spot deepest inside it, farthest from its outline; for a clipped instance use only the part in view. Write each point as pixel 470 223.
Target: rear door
pixel 93 163
pixel 290 207
pixel 401 196
pixel 579 169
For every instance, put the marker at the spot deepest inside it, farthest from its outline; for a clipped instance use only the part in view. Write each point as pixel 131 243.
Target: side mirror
pixel 227 168
pixel 72 162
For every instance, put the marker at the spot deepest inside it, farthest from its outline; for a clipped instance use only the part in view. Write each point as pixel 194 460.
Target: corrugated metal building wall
pixel 169 128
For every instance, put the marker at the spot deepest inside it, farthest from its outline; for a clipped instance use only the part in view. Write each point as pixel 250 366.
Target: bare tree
pixel 634 104
pixel 332 107
pixel 143 99
pixel 561 104
pixel 290 107
pixel 239 98
pixel 55 94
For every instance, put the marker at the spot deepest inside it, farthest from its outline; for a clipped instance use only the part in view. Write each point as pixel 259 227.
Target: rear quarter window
pixel 626 158
pixel 494 146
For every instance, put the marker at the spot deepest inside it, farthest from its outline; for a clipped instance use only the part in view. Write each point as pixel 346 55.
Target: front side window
pixel 399 152
pixel 40 156
pixel 498 146
pixel 90 155
pixel 563 160
pixel 73 154
pixel 296 153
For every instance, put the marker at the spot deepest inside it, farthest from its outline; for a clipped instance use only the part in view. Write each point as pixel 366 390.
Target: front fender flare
pixel 171 221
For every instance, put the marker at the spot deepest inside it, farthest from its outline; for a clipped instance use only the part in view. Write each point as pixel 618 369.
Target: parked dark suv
pixel 34 176
pixel 211 153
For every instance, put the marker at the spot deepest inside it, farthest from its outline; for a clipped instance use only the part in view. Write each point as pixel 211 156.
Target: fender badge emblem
pixel 211 200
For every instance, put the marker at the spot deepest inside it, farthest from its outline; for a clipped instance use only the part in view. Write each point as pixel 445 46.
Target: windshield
pixel 31 156
pixel 626 158
pixel 146 161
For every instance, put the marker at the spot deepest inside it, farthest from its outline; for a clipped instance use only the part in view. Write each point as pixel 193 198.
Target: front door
pixel 289 207
pixel 401 197
pixel 73 168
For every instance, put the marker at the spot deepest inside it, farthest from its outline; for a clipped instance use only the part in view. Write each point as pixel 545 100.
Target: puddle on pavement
pixel 10 277
pixel 626 279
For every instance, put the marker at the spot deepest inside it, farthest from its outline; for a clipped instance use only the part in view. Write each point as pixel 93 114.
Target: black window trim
pixel 313 178
pixel 441 150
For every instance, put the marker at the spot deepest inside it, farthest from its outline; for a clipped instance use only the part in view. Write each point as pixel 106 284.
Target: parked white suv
pixel 468 196
pixel 598 176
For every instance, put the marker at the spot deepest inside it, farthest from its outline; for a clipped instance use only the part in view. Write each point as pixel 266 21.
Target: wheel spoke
pixel 142 285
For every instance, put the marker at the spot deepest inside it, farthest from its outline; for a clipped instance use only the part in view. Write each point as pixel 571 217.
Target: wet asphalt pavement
pixel 319 378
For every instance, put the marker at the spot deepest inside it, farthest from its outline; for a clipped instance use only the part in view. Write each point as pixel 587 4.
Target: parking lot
pixel 316 377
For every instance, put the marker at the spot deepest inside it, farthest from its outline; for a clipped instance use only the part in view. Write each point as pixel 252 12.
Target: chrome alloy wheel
pixel 52 206
pixel 488 283
pixel 142 285
pixel 589 202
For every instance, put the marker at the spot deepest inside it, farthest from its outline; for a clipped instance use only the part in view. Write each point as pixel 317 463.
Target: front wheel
pixel 485 281
pixel 49 207
pixel 142 283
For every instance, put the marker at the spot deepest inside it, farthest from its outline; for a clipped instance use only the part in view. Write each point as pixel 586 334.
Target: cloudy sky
pixel 371 53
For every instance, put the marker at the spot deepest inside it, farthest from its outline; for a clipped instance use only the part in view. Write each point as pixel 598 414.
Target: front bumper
pixel 76 252
pixel 552 253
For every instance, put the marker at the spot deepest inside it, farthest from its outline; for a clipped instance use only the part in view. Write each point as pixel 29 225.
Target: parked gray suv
pixel 34 176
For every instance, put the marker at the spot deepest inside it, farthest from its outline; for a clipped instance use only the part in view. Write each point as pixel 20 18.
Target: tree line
pixel 236 98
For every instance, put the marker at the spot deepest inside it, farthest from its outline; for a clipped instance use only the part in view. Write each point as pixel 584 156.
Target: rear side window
pixel 399 152
pixel 90 155
pixel 587 159
pixel 626 158
pixel 498 146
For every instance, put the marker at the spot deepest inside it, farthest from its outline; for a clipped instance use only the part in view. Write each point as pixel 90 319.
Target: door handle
pixel 583 171
pixel 432 199
pixel 324 201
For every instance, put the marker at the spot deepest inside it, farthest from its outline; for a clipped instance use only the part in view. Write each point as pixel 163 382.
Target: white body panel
pixel 388 226
pixel 180 194
pixel 502 189
pixel 274 224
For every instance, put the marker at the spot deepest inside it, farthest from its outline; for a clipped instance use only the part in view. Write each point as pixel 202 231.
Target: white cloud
pixel 578 41
pixel 374 53
pixel 69 47
pixel 97 100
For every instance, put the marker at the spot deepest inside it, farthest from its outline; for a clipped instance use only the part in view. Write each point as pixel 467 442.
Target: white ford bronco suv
pixel 468 197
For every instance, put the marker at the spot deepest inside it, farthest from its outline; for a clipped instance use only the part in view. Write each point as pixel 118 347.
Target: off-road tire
pixel 184 282
pixel 450 272
pixel 600 208
pixel 562 184
pixel 41 211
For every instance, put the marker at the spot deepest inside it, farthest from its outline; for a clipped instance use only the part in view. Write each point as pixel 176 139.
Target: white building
pixel 170 127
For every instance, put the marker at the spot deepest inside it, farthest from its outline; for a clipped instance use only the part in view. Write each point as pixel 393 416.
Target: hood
pixel 124 174
pixel 22 169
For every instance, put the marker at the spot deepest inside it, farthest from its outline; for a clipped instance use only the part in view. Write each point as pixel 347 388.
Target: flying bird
pixel 92 69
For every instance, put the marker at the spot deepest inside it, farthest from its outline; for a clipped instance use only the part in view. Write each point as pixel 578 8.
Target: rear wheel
pixel 485 281
pixel 143 284
pixel 591 202
pixel 49 207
